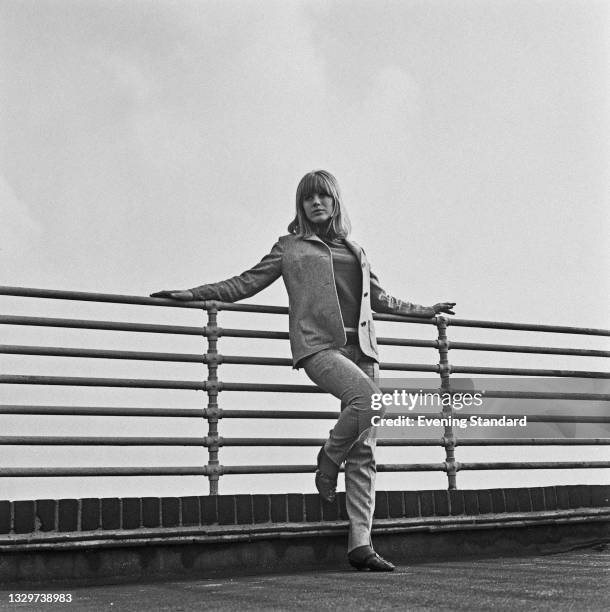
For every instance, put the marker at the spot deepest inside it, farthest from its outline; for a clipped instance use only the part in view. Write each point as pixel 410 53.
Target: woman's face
pixel 318 207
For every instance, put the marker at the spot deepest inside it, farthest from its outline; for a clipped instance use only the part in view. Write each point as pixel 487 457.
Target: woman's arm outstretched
pixel 236 288
pixel 175 294
pixel 382 301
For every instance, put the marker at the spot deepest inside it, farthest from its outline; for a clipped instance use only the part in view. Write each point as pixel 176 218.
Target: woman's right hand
pixel 444 307
pixel 177 294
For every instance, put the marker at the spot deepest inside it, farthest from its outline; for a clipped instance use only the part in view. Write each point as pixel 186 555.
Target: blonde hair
pixel 320 182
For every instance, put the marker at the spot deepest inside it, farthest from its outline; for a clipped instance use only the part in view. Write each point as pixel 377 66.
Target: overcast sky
pixel 155 144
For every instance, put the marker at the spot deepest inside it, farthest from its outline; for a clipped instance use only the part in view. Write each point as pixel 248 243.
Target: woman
pixel 331 292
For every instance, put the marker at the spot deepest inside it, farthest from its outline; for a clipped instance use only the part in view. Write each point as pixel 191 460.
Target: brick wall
pixel 132 513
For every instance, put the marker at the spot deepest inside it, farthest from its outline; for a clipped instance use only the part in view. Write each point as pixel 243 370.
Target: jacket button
pixel 363 324
pixel 364 265
pixel 365 294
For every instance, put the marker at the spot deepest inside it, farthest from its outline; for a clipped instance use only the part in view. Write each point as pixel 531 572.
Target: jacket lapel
pixel 352 246
pixel 313 238
pixel 355 249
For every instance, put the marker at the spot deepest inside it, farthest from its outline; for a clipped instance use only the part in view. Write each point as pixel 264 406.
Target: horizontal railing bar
pixel 389 341
pixel 535 395
pixel 492 394
pixel 303 469
pixel 506 348
pixel 528 372
pixel 189 471
pixel 557 329
pixel 56 351
pixel 514 348
pixel 532 442
pixel 278 414
pixel 407 342
pixel 536 465
pixel 61 472
pixel 84 296
pixel 163 412
pixel 224 332
pixel 423 442
pixel 409 367
pixel 319 441
pixel 102 325
pixel 205 441
pixel 287 469
pixel 99 441
pixel 246 360
pixel 255 387
pixel 252 414
pixel 85 381
pixel 202 442
pixel 540 395
pixel 269 387
pixel 103 411
pixel 421 367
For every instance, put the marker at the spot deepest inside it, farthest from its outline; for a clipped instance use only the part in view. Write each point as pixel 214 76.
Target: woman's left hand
pixel 444 307
pixel 185 295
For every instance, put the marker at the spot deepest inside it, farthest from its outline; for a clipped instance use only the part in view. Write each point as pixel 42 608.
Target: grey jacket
pixel 315 321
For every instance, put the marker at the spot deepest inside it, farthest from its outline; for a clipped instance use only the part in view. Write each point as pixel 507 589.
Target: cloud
pixel 395 95
pixel 18 228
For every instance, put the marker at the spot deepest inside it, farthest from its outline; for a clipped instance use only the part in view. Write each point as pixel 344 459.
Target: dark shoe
pixel 327 486
pixel 326 477
pixel 372 562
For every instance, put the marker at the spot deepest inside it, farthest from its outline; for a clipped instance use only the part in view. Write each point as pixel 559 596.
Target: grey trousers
pixel 352 377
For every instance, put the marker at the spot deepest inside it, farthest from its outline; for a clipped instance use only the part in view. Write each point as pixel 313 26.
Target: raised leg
pixel 333 371
pixel 353 438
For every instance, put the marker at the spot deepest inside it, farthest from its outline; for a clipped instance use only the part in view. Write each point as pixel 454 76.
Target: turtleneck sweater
pixel 348 280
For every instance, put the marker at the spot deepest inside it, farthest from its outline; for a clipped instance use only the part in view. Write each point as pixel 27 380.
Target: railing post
pixel 212 412
pixel 444 369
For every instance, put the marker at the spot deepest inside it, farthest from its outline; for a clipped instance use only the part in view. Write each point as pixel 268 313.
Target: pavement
pixel 577 580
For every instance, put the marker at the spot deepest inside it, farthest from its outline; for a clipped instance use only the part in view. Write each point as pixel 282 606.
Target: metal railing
pixel 213 386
